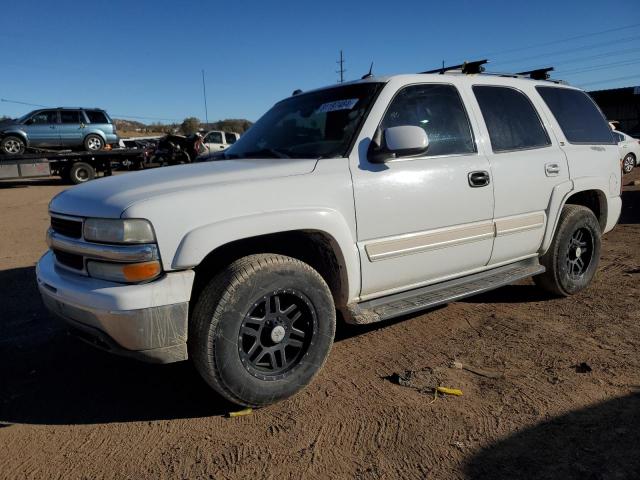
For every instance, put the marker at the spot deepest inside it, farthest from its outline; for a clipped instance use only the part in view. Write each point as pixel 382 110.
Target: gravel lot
pixel 529 410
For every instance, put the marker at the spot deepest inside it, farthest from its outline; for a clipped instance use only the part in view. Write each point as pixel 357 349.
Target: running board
pixel 430 296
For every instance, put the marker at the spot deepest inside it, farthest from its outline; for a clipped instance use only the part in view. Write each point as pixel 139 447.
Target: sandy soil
pixel 529 411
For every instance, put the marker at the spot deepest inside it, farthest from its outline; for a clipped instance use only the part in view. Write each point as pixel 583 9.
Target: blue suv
pixel 87 128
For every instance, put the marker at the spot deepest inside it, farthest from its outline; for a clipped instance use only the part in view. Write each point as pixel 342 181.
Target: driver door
pixel 420 219
pixel 43 129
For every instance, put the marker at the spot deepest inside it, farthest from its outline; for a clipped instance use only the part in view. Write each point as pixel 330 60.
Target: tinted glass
pixel 230 138
pixel 96 116
pixel 214 137
pixel 511 119
pixel 69 116
pixel 577 115
pixel 308 125
pixel 437 109
pixel 46 117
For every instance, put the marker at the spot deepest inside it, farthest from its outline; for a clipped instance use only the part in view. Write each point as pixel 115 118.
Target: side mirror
pixel 395 142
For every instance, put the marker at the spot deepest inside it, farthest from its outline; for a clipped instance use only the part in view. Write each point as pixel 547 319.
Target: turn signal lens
pixel 139 272
pixel 124 272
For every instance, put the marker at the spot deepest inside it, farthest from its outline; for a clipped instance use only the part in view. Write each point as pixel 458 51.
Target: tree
pixel 190 125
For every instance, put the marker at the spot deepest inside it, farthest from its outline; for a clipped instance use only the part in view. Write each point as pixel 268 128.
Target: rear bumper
pixel 147 322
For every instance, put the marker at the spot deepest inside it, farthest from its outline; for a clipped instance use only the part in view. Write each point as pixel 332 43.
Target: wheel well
pixel 312 247
pixel 15 134
pixel 595 201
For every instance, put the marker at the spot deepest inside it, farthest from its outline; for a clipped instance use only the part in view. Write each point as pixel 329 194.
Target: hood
pixel 108 197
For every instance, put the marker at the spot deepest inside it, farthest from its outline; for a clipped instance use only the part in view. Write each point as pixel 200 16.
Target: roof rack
pixel 466 67
pixel 538 73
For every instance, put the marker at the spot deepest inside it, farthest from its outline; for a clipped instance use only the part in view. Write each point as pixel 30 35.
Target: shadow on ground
pixel 630 214
pixel 598 442
pixel 31 182
pixel 48 377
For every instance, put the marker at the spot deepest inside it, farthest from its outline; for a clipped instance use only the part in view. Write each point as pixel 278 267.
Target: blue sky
pixel 143 59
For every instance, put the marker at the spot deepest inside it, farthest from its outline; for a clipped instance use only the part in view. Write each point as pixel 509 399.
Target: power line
pixel 566 39
pixel 121 115
pixel 608 80
pixel 603 66
pixel 569 50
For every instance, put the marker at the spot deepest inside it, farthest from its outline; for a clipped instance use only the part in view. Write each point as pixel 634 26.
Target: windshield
pixel 23 118
pixel 318 124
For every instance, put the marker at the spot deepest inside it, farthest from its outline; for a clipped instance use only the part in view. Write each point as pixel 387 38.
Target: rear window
pixel 579 118
pixel 96 116
pixel 511 119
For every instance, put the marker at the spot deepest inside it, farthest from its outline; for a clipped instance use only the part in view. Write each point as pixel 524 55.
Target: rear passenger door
pixel 526 162
pixel 71 128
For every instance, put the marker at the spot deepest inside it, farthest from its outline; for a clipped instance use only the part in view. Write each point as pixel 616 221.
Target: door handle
pixel 479 178
pixel 551 169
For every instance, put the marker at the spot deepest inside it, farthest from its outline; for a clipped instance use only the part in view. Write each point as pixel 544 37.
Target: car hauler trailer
pixel 74 167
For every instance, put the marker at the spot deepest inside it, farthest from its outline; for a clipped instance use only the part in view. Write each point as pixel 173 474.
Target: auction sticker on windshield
pixel 346 104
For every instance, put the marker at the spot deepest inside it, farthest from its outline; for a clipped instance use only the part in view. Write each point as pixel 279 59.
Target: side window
pixel 214 137
pixel 579 118
pixel 230 138
pixel 69 116
pixel 95 116
pixel 439 110
pixel 511 119
pixel 44 118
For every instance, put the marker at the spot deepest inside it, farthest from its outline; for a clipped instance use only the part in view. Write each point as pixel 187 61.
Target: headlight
pixel 124 272
pixel 118 231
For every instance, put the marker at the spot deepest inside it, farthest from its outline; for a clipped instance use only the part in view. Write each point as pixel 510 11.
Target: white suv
pixel 375 198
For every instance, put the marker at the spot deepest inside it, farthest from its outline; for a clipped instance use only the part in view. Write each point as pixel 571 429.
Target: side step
pixel 412 301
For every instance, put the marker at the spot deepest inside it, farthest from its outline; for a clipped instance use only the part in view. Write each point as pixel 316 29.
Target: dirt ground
pixel 530 410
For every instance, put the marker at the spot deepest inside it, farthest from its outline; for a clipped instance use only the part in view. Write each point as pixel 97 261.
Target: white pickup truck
pixel 374 199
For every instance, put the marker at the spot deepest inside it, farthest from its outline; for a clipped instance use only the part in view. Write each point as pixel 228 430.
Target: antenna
pixel 342 69
pixel 369 74
pixel 538 73
pixel 204 93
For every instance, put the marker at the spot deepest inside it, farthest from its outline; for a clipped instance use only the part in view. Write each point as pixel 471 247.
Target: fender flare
pixel 16 133
pixel 201 241
pixel 559 196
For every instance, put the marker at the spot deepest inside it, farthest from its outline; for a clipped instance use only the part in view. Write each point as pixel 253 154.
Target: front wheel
pixel 574 254
pixel 12 145
pixel 628 162
pixel 262 328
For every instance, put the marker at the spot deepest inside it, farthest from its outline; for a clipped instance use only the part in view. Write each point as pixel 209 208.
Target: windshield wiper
pixel 273 152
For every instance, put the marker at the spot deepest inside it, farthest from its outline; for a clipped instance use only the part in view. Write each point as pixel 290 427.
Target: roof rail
pixel 538 73
pixel 466 67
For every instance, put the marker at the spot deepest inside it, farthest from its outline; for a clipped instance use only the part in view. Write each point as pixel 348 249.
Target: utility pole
pixel 342 69
pixel 204 93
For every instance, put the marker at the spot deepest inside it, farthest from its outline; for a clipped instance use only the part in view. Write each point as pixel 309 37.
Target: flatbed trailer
pixel 74 167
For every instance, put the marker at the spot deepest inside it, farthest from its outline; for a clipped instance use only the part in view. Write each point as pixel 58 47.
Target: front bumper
pixel 147 321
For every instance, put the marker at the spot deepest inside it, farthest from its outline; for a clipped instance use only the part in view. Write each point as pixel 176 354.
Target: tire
pixel 93 143
pixel 12 145
pixel 574 254
pixel 236 315
pixel 81 172
pixel 628 162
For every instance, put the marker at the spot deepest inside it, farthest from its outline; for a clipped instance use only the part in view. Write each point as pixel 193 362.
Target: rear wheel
pixel 262 328
pixel 574 254
pixel 81 172
pixel 93 143
pixel 12 145
pixel 628 162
